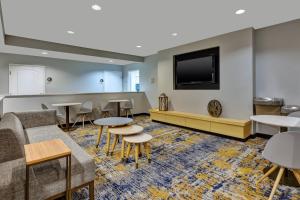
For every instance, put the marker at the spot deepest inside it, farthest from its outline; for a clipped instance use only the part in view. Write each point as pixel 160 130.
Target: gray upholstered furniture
pixel 47 180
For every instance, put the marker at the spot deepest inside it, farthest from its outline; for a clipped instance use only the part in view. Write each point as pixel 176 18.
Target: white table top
pixel 118 100
pixel 113 121
pixel 66 104
pixel 277 120
pixel 126 130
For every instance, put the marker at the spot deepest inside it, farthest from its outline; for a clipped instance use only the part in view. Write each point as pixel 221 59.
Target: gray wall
pixel 236 76
pixel 148 77
pixel 68 76
pixel 278 61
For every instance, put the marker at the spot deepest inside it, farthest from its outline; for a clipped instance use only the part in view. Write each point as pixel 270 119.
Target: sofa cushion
pixel 12 138
pixel 37 118
pixel 51 175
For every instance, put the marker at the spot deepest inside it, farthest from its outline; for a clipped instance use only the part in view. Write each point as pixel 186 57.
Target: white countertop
pixel 277 120
pixel 66 104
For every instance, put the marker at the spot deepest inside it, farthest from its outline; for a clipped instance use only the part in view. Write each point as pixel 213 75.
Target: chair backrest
pixel 294 114
pixel 88 105
pixel 104 105
pixel 44 107
pixel 132 102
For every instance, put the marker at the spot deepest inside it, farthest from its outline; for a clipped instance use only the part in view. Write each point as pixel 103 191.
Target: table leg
pixel 118 109
pixel 69 197
pixel 67 177
pixel 114 144
pixel 136 155
pixel 27 183
pixel 108 141
pixel 67 108
pixel 99 136
pixel 122 149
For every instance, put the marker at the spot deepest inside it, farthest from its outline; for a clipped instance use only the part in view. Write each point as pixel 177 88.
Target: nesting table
pixel 67 109
pixel 110 122
pixel 45 151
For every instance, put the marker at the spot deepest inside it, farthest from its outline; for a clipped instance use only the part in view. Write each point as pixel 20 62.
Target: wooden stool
pixel 137 140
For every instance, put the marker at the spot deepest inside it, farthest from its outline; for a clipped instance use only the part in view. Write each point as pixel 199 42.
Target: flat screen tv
pixel 197 70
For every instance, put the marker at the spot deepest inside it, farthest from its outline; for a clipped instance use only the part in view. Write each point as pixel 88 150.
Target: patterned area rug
pixel 185 164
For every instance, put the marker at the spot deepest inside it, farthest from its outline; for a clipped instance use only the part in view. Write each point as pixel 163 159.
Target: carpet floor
pixel 185 164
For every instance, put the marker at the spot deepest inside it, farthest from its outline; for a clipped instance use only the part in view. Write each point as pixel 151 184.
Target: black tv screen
pixel 197 70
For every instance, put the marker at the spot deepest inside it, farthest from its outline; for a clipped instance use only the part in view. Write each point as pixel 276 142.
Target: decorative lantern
pixel 163 102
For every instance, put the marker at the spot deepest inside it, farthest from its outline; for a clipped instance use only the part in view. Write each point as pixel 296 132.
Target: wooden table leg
pixel 128 151
pixel 27 183
pixel 108 142
pixel 297 174
pixel 122 149
pixel 69 191
pixel 99 136
pixel 67 108
pixel 114 144
pixel 148 151
pixel 136 155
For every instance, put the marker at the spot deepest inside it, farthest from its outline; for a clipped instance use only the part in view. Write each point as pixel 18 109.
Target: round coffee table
pixel 124 131
pixel 110 122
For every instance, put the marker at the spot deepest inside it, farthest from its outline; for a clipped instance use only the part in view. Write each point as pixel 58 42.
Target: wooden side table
pixel 45 151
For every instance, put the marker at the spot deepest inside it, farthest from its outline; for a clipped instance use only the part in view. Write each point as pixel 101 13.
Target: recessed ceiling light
pixel 71 32
pixel 174 34
pixel 44 52
pixel 96 7
pixel 240 11
pixel 138 46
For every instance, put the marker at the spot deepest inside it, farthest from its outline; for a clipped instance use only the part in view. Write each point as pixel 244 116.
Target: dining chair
pixel 60 119
pixel 283 150
pixel 105 109
pixel 128 106
pixel 85 111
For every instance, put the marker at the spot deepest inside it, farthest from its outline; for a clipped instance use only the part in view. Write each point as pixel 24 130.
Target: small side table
pixel 45 151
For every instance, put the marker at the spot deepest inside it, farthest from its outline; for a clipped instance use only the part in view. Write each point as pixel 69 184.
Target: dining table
pixel 67 110
pixel 118 102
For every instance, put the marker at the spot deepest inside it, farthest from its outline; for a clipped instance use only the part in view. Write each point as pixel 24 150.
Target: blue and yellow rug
pixel 185 164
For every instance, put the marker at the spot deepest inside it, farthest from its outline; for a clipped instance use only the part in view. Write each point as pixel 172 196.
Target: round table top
pixel 277 120
pixel 140 138
pixel 127 130
pixel 66 104
pixel 113 121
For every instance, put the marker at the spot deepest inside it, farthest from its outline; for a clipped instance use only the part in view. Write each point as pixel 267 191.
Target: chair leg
pixel 114 144
pixel 77 119
pixel 91 190
pixel 297 175
pixel 131 114
pixel 136 156
pixel 276 182
pixel 83 119
pixel 267 174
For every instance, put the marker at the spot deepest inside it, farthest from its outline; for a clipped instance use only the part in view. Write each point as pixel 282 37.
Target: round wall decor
pixel 214 108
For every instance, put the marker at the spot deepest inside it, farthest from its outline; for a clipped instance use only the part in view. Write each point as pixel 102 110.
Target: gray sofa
pixel 47 180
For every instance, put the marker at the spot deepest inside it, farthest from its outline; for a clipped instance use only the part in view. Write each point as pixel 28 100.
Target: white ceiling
pixel 121 25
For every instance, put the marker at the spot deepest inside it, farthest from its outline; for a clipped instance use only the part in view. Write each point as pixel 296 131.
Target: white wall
pixel 236 76
pixel 278 62
pixel 68 76
pixel 148 77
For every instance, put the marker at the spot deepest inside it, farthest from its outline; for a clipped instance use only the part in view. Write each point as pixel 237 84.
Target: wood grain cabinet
pixel 230 127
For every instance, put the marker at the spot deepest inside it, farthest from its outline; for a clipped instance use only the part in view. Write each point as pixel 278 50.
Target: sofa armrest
pixel 10 147
pixel 37 118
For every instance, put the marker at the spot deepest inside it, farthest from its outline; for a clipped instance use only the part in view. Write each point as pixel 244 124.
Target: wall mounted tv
pixel 197 70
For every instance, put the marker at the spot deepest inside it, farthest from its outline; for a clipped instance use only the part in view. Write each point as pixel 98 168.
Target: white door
pixel 26 80
pixel 113 81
